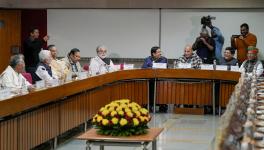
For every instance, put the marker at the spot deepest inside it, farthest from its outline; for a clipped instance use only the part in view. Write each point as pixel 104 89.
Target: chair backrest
pixel 86 67
pixel 28 77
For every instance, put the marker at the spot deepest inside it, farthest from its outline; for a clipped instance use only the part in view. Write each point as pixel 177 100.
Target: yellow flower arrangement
pixel 121 118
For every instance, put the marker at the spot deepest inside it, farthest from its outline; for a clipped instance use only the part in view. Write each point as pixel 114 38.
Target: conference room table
pixel 37 117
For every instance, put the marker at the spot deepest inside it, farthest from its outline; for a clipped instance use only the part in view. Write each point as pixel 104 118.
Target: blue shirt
pixel 148 62
pixel 219 42
pixel 231 62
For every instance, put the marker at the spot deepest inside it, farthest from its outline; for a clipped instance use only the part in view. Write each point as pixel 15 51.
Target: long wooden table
pixel 37 117
pixel 92 138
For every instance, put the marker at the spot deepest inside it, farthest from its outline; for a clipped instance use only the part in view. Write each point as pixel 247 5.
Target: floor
pixel 181 132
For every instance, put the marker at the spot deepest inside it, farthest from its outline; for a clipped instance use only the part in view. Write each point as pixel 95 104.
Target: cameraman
pixel 218 39
pixel 205 46
pixel 243 41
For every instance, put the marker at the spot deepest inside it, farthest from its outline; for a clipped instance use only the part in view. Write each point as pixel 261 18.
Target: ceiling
pixel 180 4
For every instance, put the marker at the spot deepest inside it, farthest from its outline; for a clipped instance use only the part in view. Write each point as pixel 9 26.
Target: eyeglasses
pixel 102 51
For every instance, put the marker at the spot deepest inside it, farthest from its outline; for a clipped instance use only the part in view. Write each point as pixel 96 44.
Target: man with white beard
pixel 100 64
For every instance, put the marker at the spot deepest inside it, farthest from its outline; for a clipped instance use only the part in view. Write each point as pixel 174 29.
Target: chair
pixel 28 77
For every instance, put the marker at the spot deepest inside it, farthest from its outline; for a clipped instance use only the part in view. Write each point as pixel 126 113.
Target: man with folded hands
pixel 190 57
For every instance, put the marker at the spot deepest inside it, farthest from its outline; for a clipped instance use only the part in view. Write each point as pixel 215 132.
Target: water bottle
pixel 175 64
pixel 214 65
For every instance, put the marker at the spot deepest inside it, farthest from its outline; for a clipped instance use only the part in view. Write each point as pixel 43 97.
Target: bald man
pixel 190 57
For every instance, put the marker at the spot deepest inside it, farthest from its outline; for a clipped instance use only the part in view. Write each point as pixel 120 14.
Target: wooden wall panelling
pixel 133 90
pixel 74 111
pixel 8 135
pixel 173 92
pixel 226 90
pixel 38 126
pixel 9 35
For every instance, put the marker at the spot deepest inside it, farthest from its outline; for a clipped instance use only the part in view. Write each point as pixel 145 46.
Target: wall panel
pixel 10 35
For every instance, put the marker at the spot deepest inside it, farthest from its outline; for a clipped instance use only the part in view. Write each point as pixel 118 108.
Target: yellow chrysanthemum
pixel 129 114
pixel 146 118
pixel 94 120
pixel 142 119
pixel 127 110
pixel 105 112
pixel 105 122
pixel 114 120
pixel 99 118
pixel 121 113
pixel 102 109
pixel 113 113
pixel 137 113
pixel 135 122
pixel 123 122
pixel 134 109
pixel 111 108
pixel 144 111
pixel 123 105
pixel 119 108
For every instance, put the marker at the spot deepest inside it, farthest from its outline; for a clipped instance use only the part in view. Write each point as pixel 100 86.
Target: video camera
pixel 206 20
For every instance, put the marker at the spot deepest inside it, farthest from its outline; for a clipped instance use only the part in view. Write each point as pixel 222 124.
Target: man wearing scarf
pixel 100 64
pixel 252 63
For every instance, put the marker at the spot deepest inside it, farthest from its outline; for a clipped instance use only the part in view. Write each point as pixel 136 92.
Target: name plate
pixel 40 84
pixel 159 65
pixel 207 67
pixel 185 65
pixel 221 67
pixel 128 66
pixel 235 68
pixel 82 75
pixel 55 82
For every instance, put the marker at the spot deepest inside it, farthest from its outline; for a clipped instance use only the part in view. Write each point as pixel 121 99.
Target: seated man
pixel 44 71
pixel 252 63
pixel 56 65
pixel 100 64
pixel 71 63
pixel 190 57
pixel 12 77
pixel 228 58
pixel 155 57
pixel 204 46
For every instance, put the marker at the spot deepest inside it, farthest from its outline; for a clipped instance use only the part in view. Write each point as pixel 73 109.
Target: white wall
pixel 130 33
pixel 179 27
pixel 126 32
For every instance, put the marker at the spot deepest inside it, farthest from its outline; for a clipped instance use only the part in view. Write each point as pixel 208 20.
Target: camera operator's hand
pixel 198 39
pixel 203 40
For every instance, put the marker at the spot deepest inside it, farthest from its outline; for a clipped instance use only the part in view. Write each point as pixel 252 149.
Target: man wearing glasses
pixel 100 64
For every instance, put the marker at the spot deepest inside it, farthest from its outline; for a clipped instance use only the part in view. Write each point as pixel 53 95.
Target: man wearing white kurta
pixel 100 64
pixel 44 71
pixel 12 77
